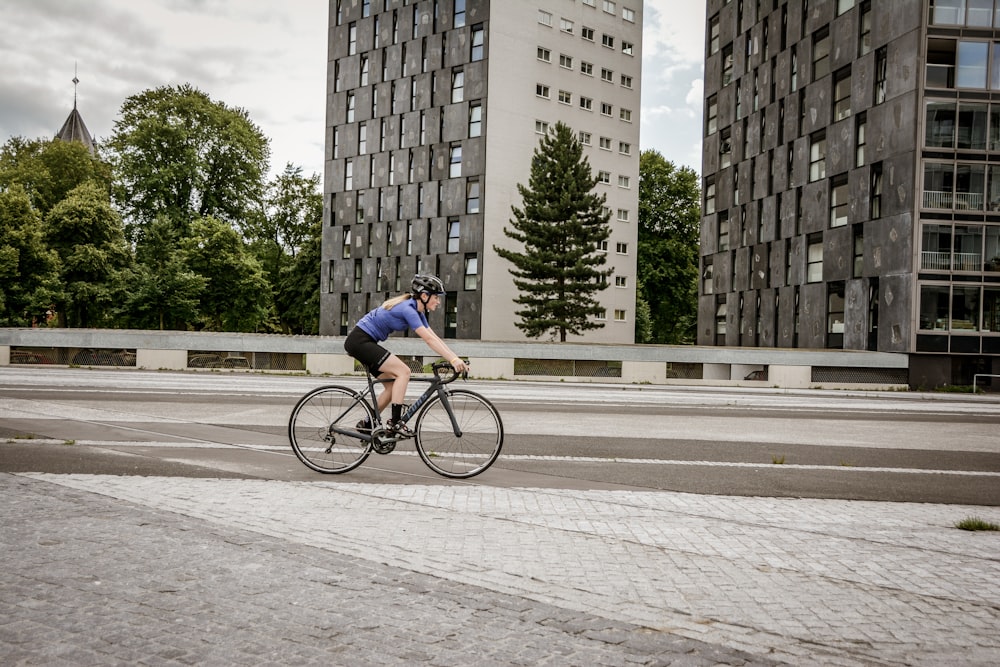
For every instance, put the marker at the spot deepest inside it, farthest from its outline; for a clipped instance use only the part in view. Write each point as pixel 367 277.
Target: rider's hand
pixel 460 366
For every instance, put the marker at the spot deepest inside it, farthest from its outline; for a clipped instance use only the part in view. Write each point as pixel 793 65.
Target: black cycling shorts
pixel 363 347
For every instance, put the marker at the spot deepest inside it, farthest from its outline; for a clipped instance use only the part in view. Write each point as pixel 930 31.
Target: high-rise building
pixel 851 195
pixel 435 108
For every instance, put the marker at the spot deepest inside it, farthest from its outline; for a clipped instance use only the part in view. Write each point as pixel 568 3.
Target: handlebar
pixel 446 373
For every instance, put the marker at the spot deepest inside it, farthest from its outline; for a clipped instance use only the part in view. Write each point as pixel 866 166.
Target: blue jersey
pixel 380 322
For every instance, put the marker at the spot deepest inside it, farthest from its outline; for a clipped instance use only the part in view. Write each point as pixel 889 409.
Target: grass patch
pixel 778 460
pixel 975 523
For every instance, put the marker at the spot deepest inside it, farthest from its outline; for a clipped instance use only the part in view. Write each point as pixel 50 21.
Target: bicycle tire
pixel 310 429
pixel 459 457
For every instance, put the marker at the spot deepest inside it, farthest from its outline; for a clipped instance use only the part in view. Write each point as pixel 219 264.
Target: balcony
pixel 960 201
pixel 942 261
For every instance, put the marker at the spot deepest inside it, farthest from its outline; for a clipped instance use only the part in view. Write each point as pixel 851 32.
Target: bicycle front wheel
pixel 459 437
pixel 314 424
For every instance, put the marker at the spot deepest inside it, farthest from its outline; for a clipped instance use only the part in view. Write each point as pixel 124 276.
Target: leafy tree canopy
pixel 559 227
pixel 179 154
pixel 29 270
pixel 667 265
pixel 49 169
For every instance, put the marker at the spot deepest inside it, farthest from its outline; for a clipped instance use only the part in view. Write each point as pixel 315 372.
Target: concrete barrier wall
pixel 169 350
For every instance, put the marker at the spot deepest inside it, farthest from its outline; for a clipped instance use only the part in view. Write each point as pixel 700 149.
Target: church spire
pixel 74 129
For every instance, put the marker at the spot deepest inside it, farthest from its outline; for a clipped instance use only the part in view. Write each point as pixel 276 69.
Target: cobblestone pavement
pixel 162 571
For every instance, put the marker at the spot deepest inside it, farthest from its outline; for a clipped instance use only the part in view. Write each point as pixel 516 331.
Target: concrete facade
pixel 434 110
pixel 846 181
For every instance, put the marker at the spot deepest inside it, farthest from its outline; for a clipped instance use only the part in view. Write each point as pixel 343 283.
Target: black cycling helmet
pixel 426 283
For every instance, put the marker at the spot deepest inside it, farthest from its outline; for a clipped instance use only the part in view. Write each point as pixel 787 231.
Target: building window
pixel 625 115
pixel 459 14
pixel 842 94
pixel 865 28
pixel 627 48
pixel 565 61
pixel 835 313
pixel 586 68
pixel 711 115
pixel 609 6
pixel 541 127
pixel 723 229
pixel 345 248
pixel 475 119
pixel 352 39
pixel 584 136
pixel 357 276
pixel 607 75
pixel 814 259
pixel 586 103
pixel 541 90
pixel 619 315
pixel 843 6
pixel 608 41
pixel 881 70
pixel 471 271
pixel 710 196
pixel 875 197
pixel 545 18
pixel 861 124
pixel 565 97
pixel 457 86
pixel 626 81
pixel 454 230
pixel 478 38
pixel 628 14
pixel 858 232
pixel 623 215
pixel 472 195
pixel 604 177
pixel 455 163
pixel 565 25
pixel 624 182
pixel 725 149
pixel 713 35
pixel 544 54
pixel 727 65
pixel 972 61
pixel 349 175
pixel 817 156
pixel 605 143
pixel 621 281
pixel 624 148
pixel 350 107
pixel 621 248
pixel 602 246
pixel 587 33
pixel 821 54
pixel 605 109
pixel 839 195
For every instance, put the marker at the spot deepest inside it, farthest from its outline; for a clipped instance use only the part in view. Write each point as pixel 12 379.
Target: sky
pixel 269 58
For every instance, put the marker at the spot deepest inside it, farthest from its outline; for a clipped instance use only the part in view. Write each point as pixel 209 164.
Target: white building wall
pixel 512 109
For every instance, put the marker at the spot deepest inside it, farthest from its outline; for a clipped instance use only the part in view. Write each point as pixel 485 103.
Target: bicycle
pixel 457 432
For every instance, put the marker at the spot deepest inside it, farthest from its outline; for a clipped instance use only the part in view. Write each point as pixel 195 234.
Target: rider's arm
pixel 439 346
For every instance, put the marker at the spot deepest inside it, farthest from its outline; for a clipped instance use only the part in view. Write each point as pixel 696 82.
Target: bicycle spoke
pixel 470 450
pixel 314 424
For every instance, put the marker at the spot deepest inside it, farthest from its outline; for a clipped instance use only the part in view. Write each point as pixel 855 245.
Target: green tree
pixel 297 290
pixel 29 270
pixel 49 169
pixel 236 296
pixel 164 292
pixel 667 264
pixel 559 228
pixel 291 224
pixel 178 154
pixel 87 234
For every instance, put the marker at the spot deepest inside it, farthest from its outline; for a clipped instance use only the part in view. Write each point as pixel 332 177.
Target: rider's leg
pixel 385 395
pixel 397 369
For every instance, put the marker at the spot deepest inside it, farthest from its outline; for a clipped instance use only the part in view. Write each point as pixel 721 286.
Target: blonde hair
pixel 389 304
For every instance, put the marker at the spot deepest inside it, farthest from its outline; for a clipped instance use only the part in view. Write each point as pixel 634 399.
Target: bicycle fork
pixel 412 410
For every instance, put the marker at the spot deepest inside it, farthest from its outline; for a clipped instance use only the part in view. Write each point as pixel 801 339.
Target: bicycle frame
pixel 368 397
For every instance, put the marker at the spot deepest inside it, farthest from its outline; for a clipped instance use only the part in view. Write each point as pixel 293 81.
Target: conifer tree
pixel 557 271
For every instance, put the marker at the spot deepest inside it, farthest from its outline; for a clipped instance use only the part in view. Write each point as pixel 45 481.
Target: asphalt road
pixel 901 446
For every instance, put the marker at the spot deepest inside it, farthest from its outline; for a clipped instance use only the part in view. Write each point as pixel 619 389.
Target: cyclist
pixel 406 311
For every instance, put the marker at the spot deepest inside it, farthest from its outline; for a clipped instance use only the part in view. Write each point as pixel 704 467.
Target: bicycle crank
pixel 381 443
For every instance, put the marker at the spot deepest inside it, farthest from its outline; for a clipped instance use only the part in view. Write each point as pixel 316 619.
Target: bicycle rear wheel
pixel 312 429
pixel 475 447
